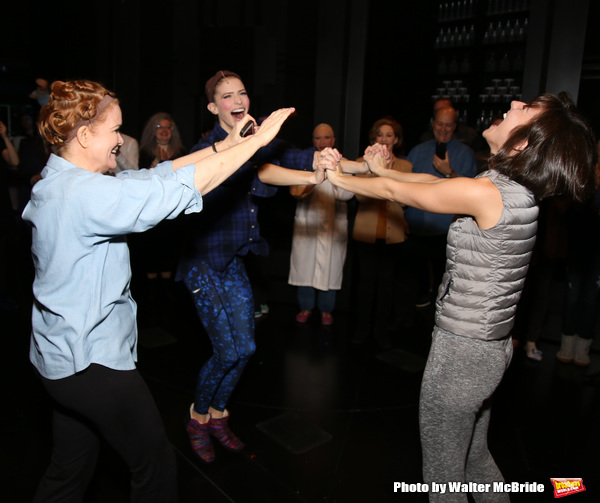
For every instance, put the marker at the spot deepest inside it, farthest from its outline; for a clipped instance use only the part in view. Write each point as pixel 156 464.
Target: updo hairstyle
pixel 71 103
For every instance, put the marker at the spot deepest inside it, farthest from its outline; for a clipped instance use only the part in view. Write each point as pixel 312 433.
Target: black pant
pixel 115 405
pixel 377 266
pixel 428 257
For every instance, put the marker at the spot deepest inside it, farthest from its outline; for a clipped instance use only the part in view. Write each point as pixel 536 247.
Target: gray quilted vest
pixel 486 269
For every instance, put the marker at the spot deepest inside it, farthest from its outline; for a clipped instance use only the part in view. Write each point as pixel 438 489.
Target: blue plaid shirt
pixel 228 224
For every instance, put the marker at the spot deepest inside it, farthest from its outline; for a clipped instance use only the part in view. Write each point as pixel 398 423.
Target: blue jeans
pixel 225 306
pixel 325 299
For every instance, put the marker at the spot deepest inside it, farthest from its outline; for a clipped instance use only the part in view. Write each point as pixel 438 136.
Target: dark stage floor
pixel 324 420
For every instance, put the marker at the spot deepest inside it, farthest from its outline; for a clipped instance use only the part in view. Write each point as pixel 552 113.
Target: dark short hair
pixel 560 155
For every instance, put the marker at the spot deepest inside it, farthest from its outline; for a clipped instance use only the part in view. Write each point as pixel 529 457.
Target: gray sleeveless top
pixel 486 269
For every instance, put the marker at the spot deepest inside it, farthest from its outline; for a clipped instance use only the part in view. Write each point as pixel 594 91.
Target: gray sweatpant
pixel 454 413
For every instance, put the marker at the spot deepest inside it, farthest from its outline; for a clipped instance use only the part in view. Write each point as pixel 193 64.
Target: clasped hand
pixel 327 164
pixel 378 158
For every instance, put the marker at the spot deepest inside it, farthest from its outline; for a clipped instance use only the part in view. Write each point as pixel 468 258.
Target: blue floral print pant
pixel 226 308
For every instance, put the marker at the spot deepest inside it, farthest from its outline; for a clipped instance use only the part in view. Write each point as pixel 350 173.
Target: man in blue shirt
pixel 428 230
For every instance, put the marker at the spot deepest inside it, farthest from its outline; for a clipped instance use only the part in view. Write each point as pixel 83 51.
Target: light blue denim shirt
pixel 83 311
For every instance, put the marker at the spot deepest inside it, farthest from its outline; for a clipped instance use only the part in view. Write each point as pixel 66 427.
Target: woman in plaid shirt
pixel 212 265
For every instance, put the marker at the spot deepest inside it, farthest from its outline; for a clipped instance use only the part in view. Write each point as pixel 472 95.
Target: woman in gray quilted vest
pixel 540 149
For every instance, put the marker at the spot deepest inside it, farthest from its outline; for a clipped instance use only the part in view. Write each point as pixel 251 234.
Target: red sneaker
pixel 303 316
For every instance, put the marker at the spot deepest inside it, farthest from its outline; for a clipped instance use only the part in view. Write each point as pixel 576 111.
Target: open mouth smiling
pixel 238 114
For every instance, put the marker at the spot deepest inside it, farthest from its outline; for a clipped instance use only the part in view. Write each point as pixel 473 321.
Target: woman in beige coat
pixel 379 233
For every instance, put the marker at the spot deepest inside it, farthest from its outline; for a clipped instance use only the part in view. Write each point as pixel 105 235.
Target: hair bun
pixel 70 102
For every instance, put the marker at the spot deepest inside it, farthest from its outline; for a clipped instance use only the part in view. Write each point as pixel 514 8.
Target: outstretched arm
pixel 278 175
pixel 477 197
pixel 376 159
pixel 214 168
pixel 354 167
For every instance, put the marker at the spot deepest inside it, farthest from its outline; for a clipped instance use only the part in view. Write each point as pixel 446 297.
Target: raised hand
pixel 378 158
pixel 265 133
pixel 234 137
pixel 271 125
pixel 329 160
